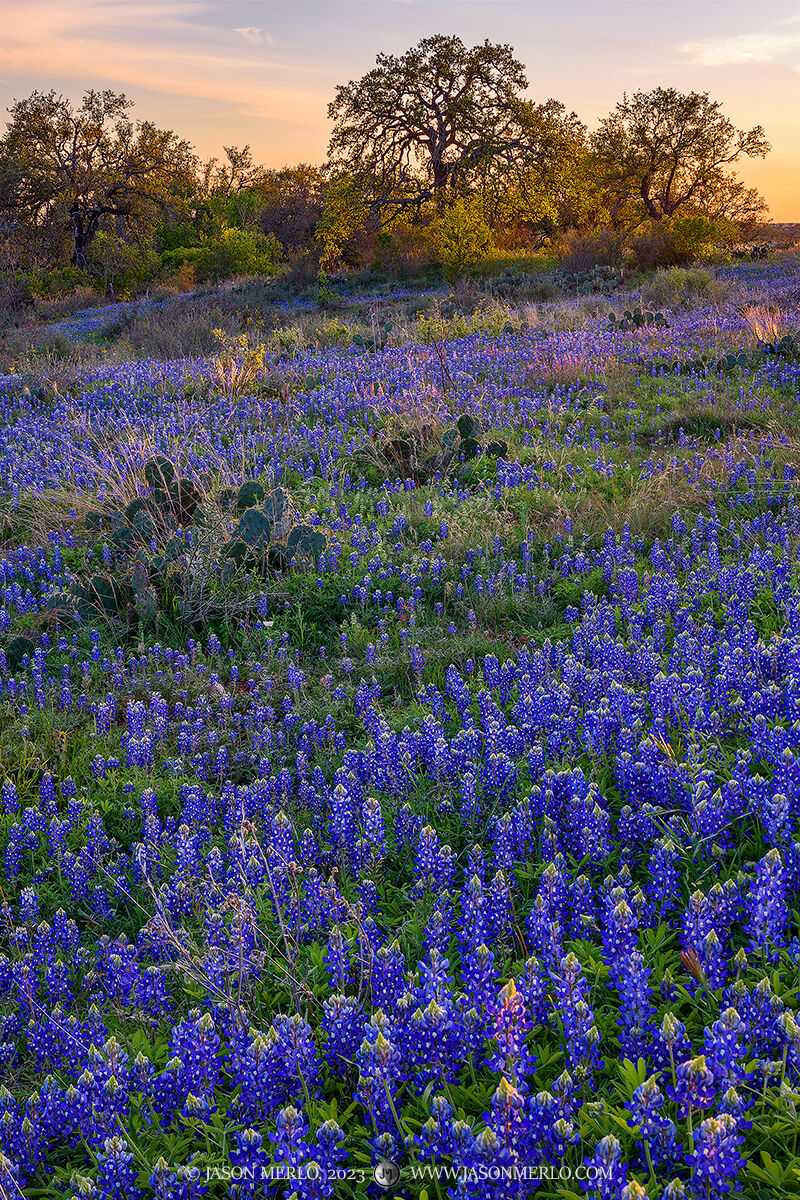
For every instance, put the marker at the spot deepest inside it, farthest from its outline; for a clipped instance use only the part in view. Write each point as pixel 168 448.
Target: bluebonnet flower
pixel 716 1159
pixel 343 1021
pixel 606 1170
pixel 768 911
pixel 379 1065
pixel 116 1176
pixel 695 1087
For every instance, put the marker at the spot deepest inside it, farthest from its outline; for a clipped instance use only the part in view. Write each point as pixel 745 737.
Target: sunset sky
pixel 249 71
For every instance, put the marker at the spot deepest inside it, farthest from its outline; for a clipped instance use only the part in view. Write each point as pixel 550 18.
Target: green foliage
pixel 677 241
pixel 325 295
pixel 346 210
pixel 93 171
pixel 786 348
pixel 146 583
pixel 305 543
pixel 378 338
pixel 238 252
pixel 18 649
pixel 159 472
pixel 181 256
pixel 102 592
pixel 254 529
pixel 515 283
pixel 691 233
pixel 675 287
pixel 56 281
pixel 335 333
pixel 423 126
pixel 461 237
pixel 665 152
pixel 287 341
pixel 271 536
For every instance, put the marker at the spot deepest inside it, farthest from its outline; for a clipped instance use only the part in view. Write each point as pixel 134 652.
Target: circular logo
pixel 386 1174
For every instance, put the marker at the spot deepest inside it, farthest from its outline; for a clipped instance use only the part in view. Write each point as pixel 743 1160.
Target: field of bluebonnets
pixel 400 747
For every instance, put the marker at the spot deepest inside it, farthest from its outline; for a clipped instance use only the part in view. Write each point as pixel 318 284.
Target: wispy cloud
pixel 763 47
pixel 167 46
pixel 253 35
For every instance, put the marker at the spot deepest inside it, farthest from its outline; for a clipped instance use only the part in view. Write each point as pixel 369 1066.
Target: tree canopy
pixel 663 150
pixel 427 148
pixel 75 169
pixel 424 126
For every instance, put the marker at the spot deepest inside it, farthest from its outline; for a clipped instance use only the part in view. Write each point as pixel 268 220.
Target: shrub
pixel 238 252
pixel 676 242
pixel 303 268
pixel 513 283
pixel 287 341
pixel 405 249
pixel 183 279
pixel 694 234
pixel 181 256
pixel 676 286
pixel 415 446
pixel 649 247
pixel 448 322
pixel 334 333
pixel 47 284
pixel 461 237
pixel 582 251
pixel 238 365
pixel 16 301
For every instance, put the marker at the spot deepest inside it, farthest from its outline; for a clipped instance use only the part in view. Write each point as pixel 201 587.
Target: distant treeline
pixel 436 156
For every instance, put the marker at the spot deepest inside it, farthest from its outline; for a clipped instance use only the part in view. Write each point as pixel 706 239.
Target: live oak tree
pixel 230 189
pixel 292 204
pixel 426 126
pixel 86 169
pixel 663 151
pixel 530 191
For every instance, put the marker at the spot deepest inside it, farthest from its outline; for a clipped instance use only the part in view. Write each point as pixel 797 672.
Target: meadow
pixel 400 741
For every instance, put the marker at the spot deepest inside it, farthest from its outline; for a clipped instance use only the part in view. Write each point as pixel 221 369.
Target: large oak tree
pixel 433 122
pixel 88 168
pixel 664 150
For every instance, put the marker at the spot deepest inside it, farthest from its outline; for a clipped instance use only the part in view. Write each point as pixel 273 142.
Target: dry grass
pixel 237 367
pixel 566 316
pixel 185 329
pixel 530 314
pixel 579 366
pixel 684 287
pixel 116 457
pixel 37 515
pixel 766 322
pixel 646 507
pixel 472 524
pixel 49 361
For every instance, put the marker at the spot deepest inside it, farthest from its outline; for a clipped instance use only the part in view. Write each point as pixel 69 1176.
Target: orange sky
pixel 262 72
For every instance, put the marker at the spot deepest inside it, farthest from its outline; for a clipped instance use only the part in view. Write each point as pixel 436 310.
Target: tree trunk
pixel 441 175
pixel 80 241
pixel 83 230
pixel 652 211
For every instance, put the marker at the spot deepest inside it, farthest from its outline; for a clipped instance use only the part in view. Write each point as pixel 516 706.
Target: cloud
pixel 745 48
pixel 253 35
pixel 165 46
